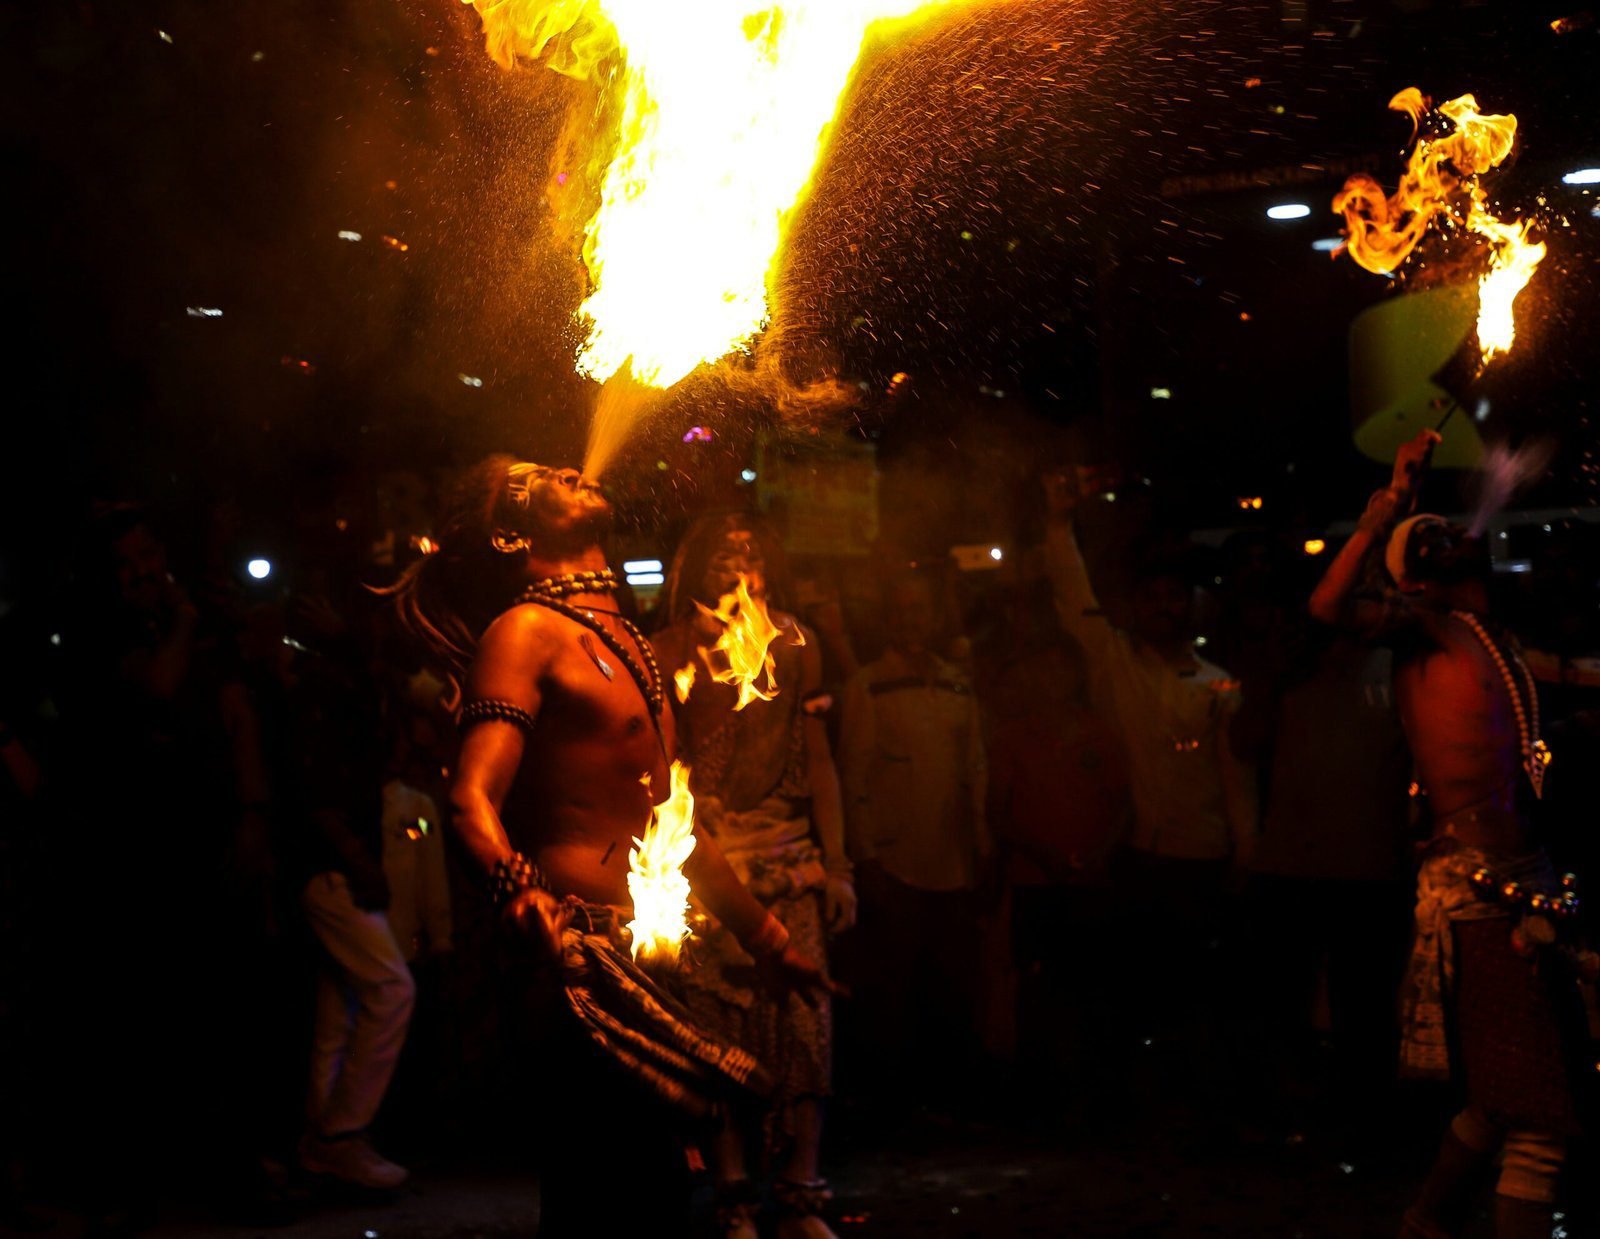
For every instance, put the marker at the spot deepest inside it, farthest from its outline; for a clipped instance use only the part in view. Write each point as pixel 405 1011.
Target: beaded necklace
pixel 1535 753
pixel 548 594
pixel 603 581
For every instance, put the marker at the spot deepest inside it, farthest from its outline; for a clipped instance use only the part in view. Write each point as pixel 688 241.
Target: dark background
pixel 1009 216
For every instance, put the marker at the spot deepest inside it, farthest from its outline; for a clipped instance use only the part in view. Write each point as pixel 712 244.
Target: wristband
pixel 511 876
pixel 770 939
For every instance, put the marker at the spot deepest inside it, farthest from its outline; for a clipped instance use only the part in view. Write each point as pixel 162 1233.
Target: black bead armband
pixel 484 710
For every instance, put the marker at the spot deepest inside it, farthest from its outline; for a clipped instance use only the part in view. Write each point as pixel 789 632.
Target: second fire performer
pixel 1487 997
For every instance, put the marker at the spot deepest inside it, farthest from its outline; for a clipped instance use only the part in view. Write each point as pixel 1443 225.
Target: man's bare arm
pixel 1333 600
pixel 827 802
pixel 1075 599
pixel 856 743
pixel 511 661
pixel 827 798
pixel 161 671
pixel 717 886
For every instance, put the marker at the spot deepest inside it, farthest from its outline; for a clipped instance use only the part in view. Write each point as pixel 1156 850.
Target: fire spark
pixel 656 884
pixel 721 113
pixel 1441 182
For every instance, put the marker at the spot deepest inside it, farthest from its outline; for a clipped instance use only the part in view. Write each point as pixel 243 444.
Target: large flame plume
pixel 656 884
pixel 1441 183
pixel 742 654
pixel 719 112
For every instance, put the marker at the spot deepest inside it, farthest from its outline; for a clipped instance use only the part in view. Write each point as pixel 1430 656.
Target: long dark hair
pixel 686 577
pixel 447 598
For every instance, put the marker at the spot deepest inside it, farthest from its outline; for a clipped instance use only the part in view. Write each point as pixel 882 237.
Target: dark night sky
pixel 991 217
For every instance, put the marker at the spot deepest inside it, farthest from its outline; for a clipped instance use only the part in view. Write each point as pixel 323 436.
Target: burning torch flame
pixel 683 677
pixel 1383 230
pixel 745 644
pixel 1511 265
pixel 656 884
pixel 721 115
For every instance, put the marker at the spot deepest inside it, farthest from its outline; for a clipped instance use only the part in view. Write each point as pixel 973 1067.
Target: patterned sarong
pixel 770 848
pixel 1445 896
pixel 644 1030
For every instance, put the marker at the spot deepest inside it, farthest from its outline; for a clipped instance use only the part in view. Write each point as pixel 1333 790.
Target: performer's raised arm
pixel 1075 599
pixel 1335 600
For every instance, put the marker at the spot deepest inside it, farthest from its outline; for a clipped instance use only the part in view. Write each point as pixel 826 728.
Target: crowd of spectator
pixel 1120 831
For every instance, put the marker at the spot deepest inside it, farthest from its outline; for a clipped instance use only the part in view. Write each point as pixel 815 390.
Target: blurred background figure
pixel 1327 908
pixel 413 835
pixel 1194 801
pixel 1058 805
pixel 912 758
pixel 328 768
pixel 766 787
pixel 161 781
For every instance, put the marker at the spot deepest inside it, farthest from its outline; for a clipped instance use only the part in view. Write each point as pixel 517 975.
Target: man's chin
pixel 596 517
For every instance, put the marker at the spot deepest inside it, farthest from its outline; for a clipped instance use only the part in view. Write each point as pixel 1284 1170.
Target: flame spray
pixel 718 120
pixel 1383 230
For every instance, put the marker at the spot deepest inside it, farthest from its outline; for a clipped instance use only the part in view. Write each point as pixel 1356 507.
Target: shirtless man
pixel 566 745
pixel 1467 706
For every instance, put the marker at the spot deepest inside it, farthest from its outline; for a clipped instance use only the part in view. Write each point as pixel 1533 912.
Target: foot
pixel 352 1160
pixel 802 1205
pixel 737 1203
pixel 807 1227
pixel 739 1225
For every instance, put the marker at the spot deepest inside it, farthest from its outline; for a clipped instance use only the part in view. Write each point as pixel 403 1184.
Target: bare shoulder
pixel 514 654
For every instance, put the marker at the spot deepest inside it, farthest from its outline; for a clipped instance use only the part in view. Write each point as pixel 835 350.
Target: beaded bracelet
pixel 511 876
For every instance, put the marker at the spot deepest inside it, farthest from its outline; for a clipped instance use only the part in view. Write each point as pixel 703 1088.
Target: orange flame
pixel 656 884
pixel 683 677
pixel 745 645
pixel 1512 263
pixel 721 110
pixel 1382 230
